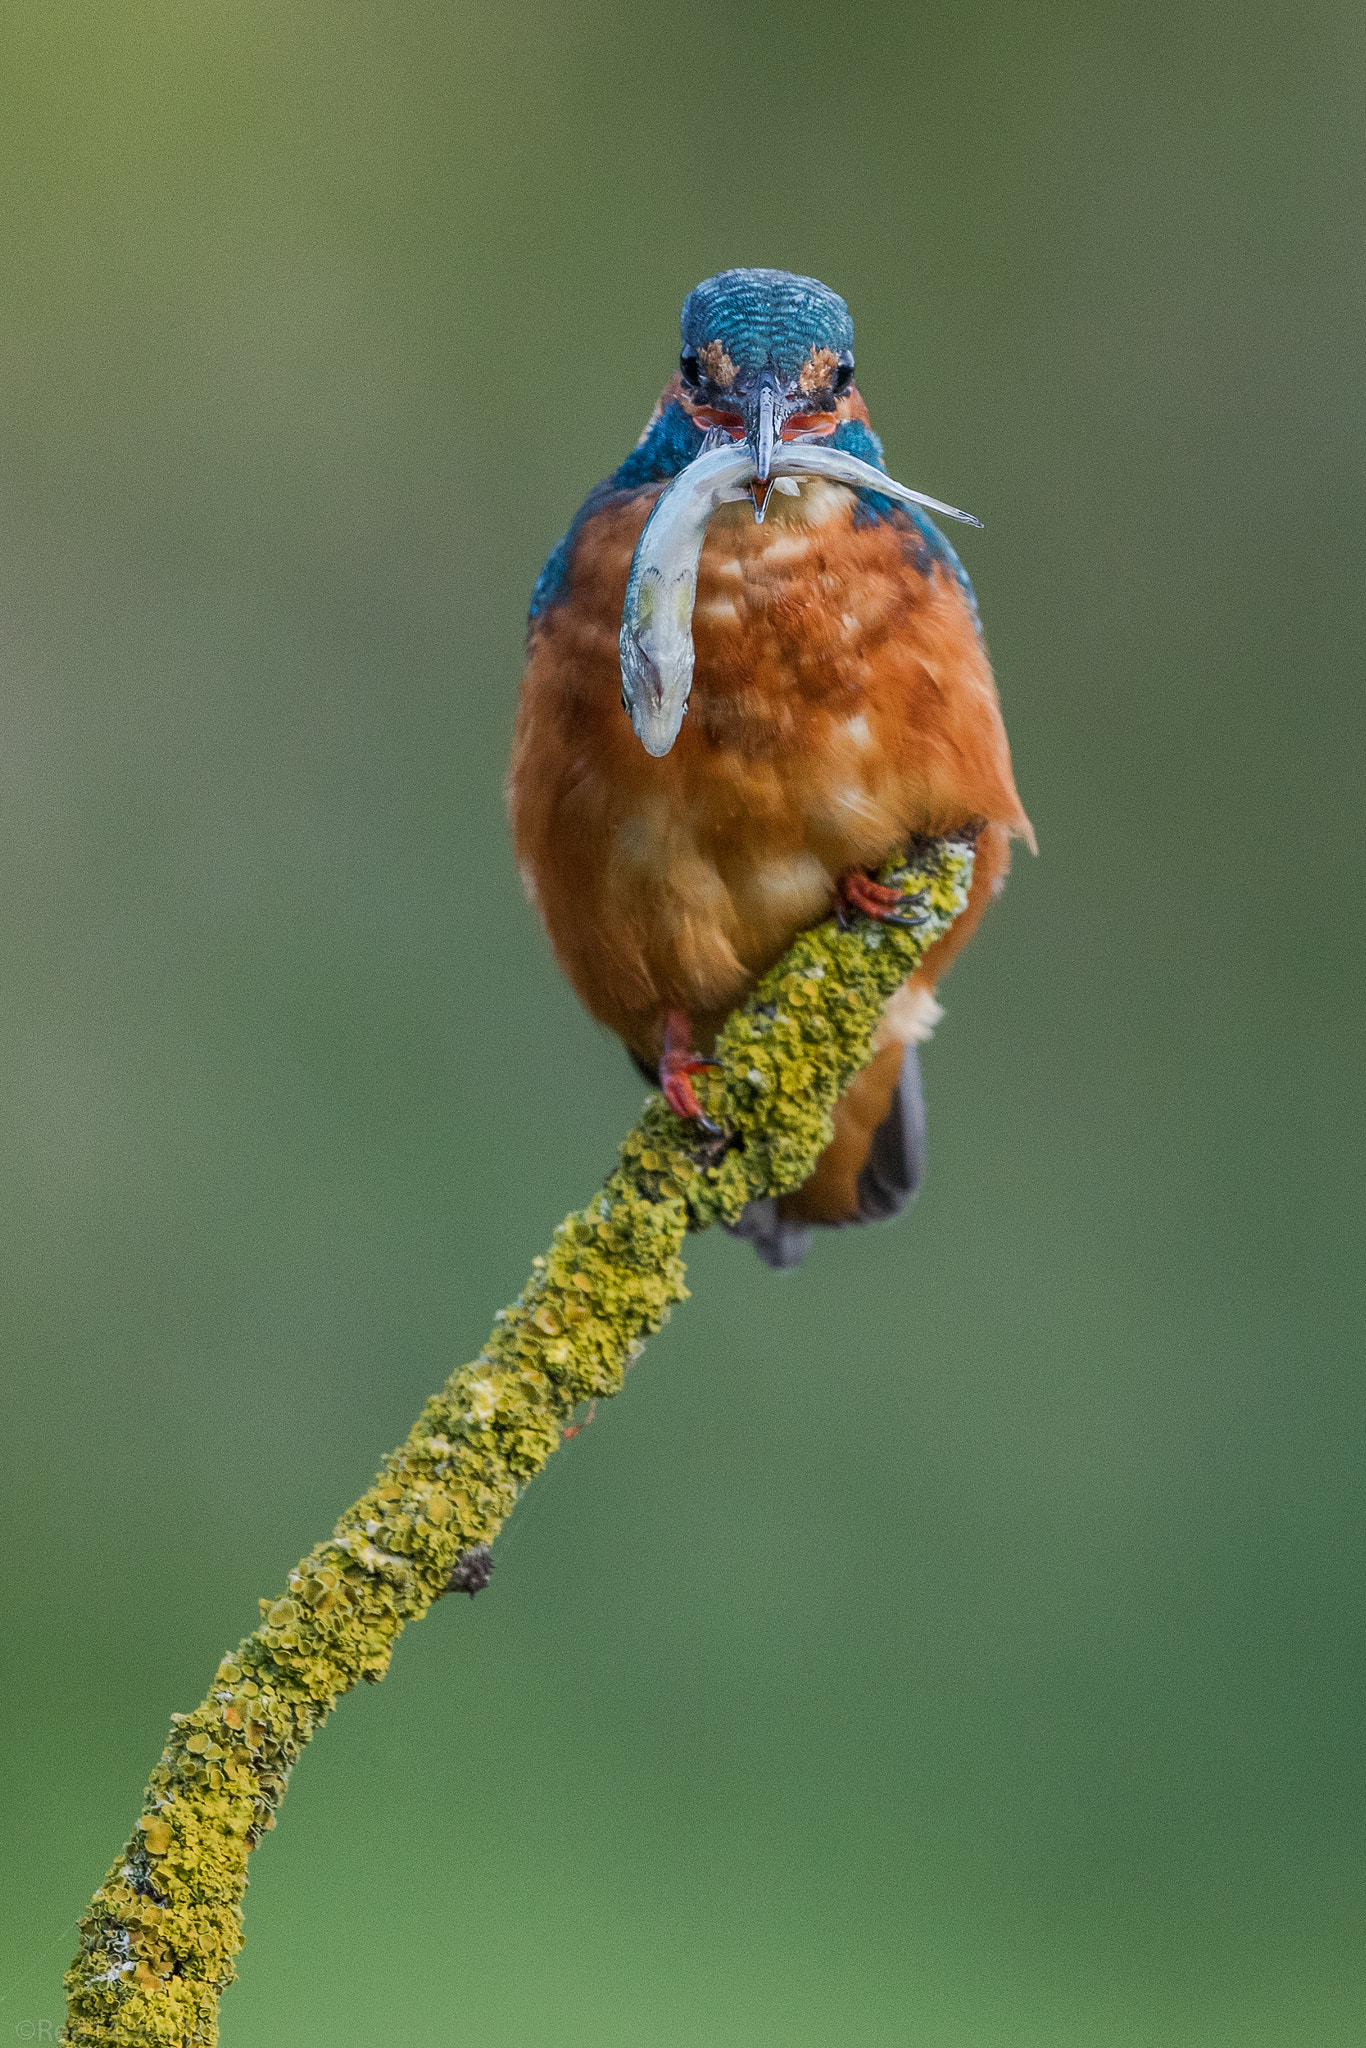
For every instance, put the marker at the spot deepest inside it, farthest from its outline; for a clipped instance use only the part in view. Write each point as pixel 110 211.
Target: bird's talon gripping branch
pixel 858 891
pixel 676 1069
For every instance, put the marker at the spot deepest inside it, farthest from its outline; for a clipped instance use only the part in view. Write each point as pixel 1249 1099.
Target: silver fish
pixel 656 617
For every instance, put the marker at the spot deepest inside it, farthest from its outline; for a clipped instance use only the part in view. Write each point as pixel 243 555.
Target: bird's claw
pixel 678 1090
pixel 877 900
pixel 676 1069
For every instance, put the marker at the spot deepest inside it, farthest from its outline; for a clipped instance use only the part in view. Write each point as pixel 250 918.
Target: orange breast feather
pixel 842 701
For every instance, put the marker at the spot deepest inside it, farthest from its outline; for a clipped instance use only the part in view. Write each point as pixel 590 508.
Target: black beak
pixel 764 412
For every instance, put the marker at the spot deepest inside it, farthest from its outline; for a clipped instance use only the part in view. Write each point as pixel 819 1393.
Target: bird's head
pixel 766 358
pixel 767 362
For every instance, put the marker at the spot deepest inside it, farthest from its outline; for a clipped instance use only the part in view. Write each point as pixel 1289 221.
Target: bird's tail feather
pixel 887 1180
pixel 859 1178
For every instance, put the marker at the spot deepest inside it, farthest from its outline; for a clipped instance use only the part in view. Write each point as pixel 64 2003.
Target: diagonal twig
pixel 158 1943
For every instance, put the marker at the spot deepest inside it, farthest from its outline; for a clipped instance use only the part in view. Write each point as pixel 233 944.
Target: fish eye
pixel 689 366
pixel 844 375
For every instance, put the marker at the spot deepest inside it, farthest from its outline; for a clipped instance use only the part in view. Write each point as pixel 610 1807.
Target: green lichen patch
pixel 158 1943
pixel 804 1033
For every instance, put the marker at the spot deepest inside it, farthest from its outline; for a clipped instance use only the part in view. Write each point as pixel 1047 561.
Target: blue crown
pixel 763 316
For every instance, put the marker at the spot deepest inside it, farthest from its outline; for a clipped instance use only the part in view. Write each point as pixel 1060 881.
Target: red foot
pixel 678 1063
pixel 858 891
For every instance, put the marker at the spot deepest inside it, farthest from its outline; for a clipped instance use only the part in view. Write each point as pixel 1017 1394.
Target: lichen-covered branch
pixel 158 1944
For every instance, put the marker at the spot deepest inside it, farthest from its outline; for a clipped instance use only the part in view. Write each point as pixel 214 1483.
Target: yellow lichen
pixel 158 1943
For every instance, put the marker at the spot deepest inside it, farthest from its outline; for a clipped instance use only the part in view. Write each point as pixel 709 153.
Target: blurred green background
pixel 959 1643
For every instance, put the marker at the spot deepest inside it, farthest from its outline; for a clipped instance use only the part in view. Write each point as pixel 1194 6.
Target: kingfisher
pixel 839 702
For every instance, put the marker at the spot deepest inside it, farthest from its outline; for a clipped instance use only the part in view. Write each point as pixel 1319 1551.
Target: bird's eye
pixel 844 375
pixel 690 367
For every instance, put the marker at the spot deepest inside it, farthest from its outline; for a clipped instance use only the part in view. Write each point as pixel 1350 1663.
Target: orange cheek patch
pixel 821 423
pixel 732 423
